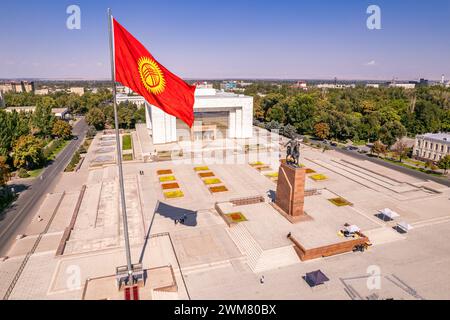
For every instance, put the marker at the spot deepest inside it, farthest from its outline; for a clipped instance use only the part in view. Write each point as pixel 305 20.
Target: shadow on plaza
pixel 175 214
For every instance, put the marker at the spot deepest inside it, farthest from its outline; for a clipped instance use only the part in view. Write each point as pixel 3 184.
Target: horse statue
pixel 293 153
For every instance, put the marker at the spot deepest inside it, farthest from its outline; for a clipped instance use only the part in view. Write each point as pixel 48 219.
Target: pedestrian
pixel 261 280
pixel 289 235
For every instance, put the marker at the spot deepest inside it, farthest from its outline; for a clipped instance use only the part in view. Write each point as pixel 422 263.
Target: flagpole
pixel 119 152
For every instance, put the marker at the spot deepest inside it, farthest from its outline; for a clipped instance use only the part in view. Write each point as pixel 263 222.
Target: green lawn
pixel 126 142
pixel 127 157
pixel 35 173
pixel 58 150
pixel 427 171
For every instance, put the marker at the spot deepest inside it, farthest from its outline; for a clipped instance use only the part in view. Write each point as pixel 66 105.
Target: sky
pixel 285 39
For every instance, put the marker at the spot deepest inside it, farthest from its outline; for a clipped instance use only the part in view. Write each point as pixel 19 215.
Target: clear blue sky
pixel 232 38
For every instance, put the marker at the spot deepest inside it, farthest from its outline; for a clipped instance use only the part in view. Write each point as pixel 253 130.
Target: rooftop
pixel 442 136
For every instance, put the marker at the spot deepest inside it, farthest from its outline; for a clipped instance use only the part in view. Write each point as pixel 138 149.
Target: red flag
pixel 138 70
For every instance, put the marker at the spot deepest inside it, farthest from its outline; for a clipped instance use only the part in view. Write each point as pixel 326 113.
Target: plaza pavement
pixel 216 263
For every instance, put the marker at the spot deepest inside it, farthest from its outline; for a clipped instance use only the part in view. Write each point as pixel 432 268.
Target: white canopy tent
pixel 352 229
pixel 405 226
pixel 389 213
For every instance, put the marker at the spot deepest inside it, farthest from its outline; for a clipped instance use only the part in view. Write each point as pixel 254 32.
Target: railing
pixel 167 234
pixel 32 251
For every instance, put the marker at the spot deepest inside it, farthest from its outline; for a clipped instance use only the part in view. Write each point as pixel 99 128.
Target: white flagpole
pixel 119 151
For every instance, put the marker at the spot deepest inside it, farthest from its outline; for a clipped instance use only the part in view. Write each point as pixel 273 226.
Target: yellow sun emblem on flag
pixel 151 75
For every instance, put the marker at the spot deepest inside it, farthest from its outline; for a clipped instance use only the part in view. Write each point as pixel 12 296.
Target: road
pixel 22 211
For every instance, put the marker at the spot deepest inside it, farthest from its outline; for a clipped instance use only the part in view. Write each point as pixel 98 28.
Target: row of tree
pixel 75 103
pixel 24 136
pixel 357 114
pixel 128 115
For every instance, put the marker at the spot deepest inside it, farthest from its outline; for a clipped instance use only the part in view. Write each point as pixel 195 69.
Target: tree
pixel 444 163
pixel 28 152
pixel 401 150
pixel 139 115
pixel 276 114
pixel 43 119
pixel 269 101
pixel 391 131
pixel 62 129
pixel 4 171
pixel 5 134
pixel 289 131
pixel 91 132
pixel 301 113
pixel 322 130
pixel 126 112
pixel 273 125
pixel 379 148
pixel 95 117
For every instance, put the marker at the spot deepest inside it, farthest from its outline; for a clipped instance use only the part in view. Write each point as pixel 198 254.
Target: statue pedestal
pixel 290 196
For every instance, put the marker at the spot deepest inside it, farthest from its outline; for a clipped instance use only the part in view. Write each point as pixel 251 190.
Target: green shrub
pixel 82 149
pixel 73 163
pixel 22 173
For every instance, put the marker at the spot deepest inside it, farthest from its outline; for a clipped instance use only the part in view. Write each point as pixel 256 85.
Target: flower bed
pixel 164 172
pixel 340 202
pixel 318 177
pixel 204 168
pixel 211 181
pixel 168 186
pixel 206 174
pixel 263 168
pixel 218 189
pixel 272 175
pixel 167 178
pixel 257 163
pixel 236 217
pixel 174 194
pixel 309 171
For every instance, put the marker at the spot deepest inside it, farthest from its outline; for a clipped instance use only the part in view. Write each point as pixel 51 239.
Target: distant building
pixel 17 87
pixel 62 113
pixel 422 82
pixel 124 90
pixel 373 85
pixel 335 86
pixel 77 90
pixel 42 92
pixel 228 85
pixel 137 100
pixel 301 85
pixel 432 146
pixel 403 85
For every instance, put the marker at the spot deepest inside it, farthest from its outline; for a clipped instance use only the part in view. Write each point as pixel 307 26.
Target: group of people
pixel 182 220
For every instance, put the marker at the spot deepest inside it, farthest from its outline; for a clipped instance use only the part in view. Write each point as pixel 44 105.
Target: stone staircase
pixel 246 244
pixel 277 258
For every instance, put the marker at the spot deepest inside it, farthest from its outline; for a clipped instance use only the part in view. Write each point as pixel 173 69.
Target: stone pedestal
pixel 290 196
